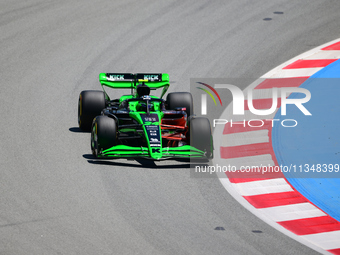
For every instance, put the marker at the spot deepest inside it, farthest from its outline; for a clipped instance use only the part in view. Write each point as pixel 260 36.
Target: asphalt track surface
pixel 55 198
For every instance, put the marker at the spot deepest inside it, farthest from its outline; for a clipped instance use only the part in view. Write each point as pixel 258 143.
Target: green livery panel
pixel 124 151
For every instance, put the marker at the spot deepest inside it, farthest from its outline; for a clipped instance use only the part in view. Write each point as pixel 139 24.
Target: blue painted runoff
pixel 310 151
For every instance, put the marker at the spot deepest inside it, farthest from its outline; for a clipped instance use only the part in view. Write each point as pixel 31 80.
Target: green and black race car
pixel 140 125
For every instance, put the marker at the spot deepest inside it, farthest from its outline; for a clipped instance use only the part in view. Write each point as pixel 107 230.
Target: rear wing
pixel 129 80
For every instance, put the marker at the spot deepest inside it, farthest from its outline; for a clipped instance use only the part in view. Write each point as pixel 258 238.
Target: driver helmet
pixel 143 90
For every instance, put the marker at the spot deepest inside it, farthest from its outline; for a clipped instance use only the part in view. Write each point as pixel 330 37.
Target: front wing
pixel 124 151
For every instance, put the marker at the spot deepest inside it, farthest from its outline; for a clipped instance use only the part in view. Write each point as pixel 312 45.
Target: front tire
pixel 103 134
pixel 201 136
pixel 90 105
pixel 180 99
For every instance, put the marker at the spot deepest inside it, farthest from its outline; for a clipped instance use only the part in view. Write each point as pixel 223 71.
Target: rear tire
pixel 90 105
pixel 180 99
pixel 103 134
pixel 200 135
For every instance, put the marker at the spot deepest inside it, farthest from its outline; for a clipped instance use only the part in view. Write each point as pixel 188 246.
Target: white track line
pixel 290 73
pixel 262 187
pixel 326 240
pixel 292 212
pixel 325 54
pixel 264 160
pixel 245 138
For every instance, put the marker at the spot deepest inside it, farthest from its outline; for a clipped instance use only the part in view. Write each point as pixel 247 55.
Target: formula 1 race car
pixel 140 125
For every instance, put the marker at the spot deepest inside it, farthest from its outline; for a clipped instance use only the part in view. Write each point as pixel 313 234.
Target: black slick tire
pixel 180 99
pixel 200 135
pixel 103 134
pixel 90 104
